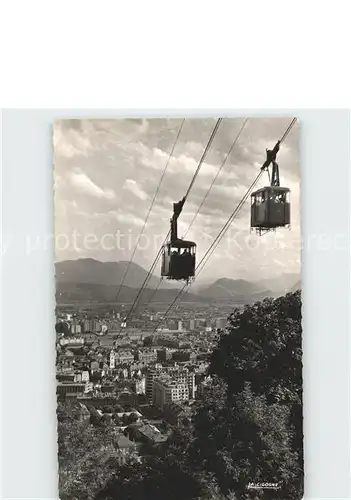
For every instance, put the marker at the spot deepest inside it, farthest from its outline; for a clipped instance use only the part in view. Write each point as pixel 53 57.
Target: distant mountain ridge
pixel 89 280
pixel 296 287
pixel 104 273
pixel 281 284
pixel 229 289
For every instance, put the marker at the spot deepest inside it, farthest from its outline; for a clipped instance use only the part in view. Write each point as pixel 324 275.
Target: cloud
pixel 84 184
pixel 181 164
pixel 230 192
pixel 127 218
pixel 69 139
pixel 133 187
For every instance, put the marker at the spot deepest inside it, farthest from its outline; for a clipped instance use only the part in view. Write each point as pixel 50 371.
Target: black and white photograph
pixel 178 308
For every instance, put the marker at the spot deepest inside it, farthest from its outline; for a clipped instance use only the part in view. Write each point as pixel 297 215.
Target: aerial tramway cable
pixel 150 208
pixel 216 176
pixel 202 159
pixel 217 240
pixel 143 286
pixel 154 293
pixel 137 298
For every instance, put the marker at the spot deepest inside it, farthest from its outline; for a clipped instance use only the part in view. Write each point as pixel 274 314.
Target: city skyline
pixel 107 172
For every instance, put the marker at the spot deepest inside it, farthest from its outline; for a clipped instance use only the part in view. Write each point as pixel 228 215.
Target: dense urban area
pixel 105 358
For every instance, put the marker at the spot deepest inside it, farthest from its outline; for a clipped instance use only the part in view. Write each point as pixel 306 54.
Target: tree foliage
pixel 166 473
pixel 88 458
pixel 130 418
pixel 250 426
pixel 263 347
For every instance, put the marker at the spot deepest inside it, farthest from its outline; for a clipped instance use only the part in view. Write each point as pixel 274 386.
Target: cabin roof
pixel 277 189
pixel 182 243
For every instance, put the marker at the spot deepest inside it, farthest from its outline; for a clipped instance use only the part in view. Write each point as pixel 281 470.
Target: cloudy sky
pixel 107 173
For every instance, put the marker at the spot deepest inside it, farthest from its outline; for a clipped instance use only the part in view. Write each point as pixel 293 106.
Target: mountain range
pixel 103 273
pixel 281 284
pixel 229 289
pixel 88 280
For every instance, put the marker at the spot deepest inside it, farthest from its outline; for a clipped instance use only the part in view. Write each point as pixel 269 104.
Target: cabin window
pixel 175 251
pixel 258 198
pixel 182 251
pixel 279 197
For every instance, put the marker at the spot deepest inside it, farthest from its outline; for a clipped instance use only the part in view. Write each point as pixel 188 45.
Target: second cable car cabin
pixel 270 206
pixel 178 256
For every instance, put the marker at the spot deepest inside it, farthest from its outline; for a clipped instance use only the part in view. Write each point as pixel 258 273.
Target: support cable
pixel 216 177
pixel 150 208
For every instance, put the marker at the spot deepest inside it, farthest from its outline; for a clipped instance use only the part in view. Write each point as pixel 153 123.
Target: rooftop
pixel 151 433
pixel 123 442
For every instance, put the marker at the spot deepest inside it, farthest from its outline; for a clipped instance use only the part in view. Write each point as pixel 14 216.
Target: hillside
pixel 280 285
pixel 234 290
pixel 104 273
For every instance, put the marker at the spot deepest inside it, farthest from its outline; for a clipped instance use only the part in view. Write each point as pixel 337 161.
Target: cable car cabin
pixel 178 260
pixel 270 208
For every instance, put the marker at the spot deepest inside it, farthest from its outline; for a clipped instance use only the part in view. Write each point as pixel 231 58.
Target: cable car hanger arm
pixel 272 153
pixel 271 156
pixel 271 159
pixel 177 210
